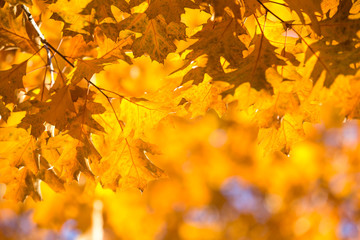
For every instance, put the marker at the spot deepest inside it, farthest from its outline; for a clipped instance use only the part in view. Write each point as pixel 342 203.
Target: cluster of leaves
pixel 272 66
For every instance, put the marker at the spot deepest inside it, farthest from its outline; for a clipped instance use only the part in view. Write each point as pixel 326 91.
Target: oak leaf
pixel 23 167
pixel 171 10
pixel 34 118
pixel 85 69
pixel 84 122
pixel 20 148
pixel 203 97
pixel 282 137
pixel 134 3
pixel 310 8
pixel 103 8
pixel 12 31
pixel 12 80
pixel 4 111
pixel 141 116
pixel 61 108
pixel 344 94
pixel 19 184
pixel 156 40
pixel 127 165
pixel 253 67
pixel 70 156
pixel 252 6
pixel 334 59
pixel 219 40
pixel 49 176
pixel 15 2
pixel 74 23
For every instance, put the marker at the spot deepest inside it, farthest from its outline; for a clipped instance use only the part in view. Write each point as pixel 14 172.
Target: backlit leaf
pixel 254 66
pixel 156 40
pixel 11 81
pixel 12 31
pixel 127 165
pixel 171 10
pixel 103 8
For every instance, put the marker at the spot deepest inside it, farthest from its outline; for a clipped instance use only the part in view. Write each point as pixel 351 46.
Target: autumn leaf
pixel 85 69
pixel 221 8
pixel 310 9
pixel 20 184
pixel 340 26
pixel 22 169
pixel 234 119
pixel 134 3
pixel 171 10
pixel 156 37
pixel 79 48
pixel 344 95
pixel 200 99
pixel 251 6
pixel 48 175
pixel 253 67
pixel 68 13
pixel 132 167
pixel 103 8
pixel 34 119
pixel 14 2
pixel 12 30
pixel 218 40
pixel 61 156
pixel 61 108
pixel 282 137
pixel 21 149
pixel 330 58
pixel 85 118
pixel 4 111
pixel 11 81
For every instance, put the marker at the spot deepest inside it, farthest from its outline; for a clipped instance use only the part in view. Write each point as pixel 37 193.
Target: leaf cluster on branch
pixel 275 62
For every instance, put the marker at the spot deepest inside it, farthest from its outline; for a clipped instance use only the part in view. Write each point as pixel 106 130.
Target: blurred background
pixel 219 187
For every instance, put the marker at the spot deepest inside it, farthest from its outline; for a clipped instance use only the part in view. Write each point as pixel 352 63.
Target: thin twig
pixel 43 40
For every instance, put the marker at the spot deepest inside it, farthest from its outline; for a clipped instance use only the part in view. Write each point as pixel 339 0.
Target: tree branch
pixel 43 41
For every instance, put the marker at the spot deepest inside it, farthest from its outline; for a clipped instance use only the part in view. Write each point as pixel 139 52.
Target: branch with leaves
pixel 279 59
pixel 226 99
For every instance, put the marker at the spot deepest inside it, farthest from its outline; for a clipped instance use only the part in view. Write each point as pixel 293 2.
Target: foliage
pixel 243 111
